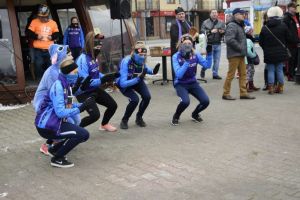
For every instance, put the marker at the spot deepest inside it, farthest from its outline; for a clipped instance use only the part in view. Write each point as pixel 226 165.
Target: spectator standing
pixel 44 32
pixel 214 29
pixel 178 28
pixel 251 54
pixel 291 19
pixel 74 37
pixel 236 52
pixel 272 38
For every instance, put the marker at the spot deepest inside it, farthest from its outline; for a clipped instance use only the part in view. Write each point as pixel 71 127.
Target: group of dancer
pixel 58 116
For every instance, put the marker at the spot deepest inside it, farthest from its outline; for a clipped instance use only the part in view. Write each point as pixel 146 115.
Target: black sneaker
pixel 197 118
pixel 217 77
pixel 61 162
pixel 124 124
pixel 175 122
pixel 140 122
pixel 202 73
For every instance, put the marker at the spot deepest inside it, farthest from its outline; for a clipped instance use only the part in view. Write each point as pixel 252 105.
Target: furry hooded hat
pixel 58 53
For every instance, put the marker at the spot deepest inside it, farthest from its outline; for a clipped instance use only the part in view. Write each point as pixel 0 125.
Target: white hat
pixel 275 11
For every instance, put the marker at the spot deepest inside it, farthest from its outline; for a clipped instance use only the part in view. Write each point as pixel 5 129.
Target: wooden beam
pixel 83 15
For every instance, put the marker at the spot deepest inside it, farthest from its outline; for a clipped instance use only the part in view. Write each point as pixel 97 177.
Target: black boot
pixel 124 124
pixel 140 122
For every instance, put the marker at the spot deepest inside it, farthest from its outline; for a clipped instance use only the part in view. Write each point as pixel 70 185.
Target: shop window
pixel 8 73
pixel 171 1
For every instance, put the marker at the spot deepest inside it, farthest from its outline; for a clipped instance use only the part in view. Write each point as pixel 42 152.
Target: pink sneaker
pixel 44 149
pixel 108 127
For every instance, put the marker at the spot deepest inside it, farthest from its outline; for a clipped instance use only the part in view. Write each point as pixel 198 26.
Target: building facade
pixel 153 18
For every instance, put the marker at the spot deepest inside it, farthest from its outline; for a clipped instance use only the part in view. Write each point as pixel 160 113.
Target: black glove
pixel 86 83
pixel 187 55
pixel 144 72
pixel 156 68
pixel 134 75
pixel 86 104
pixel 117 74
pixel 208 48
pixel 77 84
pixel 108 78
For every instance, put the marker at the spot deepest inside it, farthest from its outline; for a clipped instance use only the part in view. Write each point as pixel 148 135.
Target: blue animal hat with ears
pixel 58 53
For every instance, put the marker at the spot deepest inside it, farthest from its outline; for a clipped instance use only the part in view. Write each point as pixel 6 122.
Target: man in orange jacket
pixel 44 32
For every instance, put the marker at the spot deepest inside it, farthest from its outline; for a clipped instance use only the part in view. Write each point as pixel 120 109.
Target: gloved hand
pixel 117 74
pixel 77 84
pixel 156 68
pixel 108 78
pixel 187 55
pixel 208 48
pixel 86 104
pixel 144 72
pixel 86 83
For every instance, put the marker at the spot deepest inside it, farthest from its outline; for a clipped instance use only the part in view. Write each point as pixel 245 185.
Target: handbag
pixel 287 50
pixel 256 60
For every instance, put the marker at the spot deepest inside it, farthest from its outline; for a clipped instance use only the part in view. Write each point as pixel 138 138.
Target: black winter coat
pixel 292 27
pixel 274 52
pixel 174 33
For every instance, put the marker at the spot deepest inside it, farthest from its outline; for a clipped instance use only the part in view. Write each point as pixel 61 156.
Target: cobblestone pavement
pixel 244 150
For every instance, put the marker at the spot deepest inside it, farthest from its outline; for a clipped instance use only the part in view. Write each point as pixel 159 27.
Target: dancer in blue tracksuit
pixel 57 54
pixel 88 66
pixel 185 67
pixel 74 37
pixel 51 119
pixel 132 72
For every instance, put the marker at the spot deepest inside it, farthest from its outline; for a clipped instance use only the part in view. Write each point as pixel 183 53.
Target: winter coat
pixel 53 110
pixel 292 28
pixel 186 70
pixel 89 67
pixel 175 35
pixel 235 38
pixel 208 25
pixel 127 70
pixel 274 52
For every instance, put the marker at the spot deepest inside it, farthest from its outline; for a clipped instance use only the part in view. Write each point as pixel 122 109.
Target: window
pixel 8 73
pixel 171 1
pixel 111 29
pixel 65 16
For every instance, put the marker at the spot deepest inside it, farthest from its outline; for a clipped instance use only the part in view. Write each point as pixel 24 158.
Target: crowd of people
pixel 72 71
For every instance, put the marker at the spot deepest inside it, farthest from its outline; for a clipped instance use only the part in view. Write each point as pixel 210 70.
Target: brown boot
pixel 271 89
pixel 279 89
pixel 249 86
pixel 255 88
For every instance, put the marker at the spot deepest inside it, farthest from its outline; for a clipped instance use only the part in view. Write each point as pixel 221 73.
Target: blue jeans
pixel 41 62
pixel 278 69
pixel 216 52
pixel 129 92
pixel 183 91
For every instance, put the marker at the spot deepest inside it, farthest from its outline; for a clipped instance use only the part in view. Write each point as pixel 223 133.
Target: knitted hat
pixel 179 10
pixel 57 53
pixel 186 37
pixel 275 11
pixel 140 47
pixel 67 65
